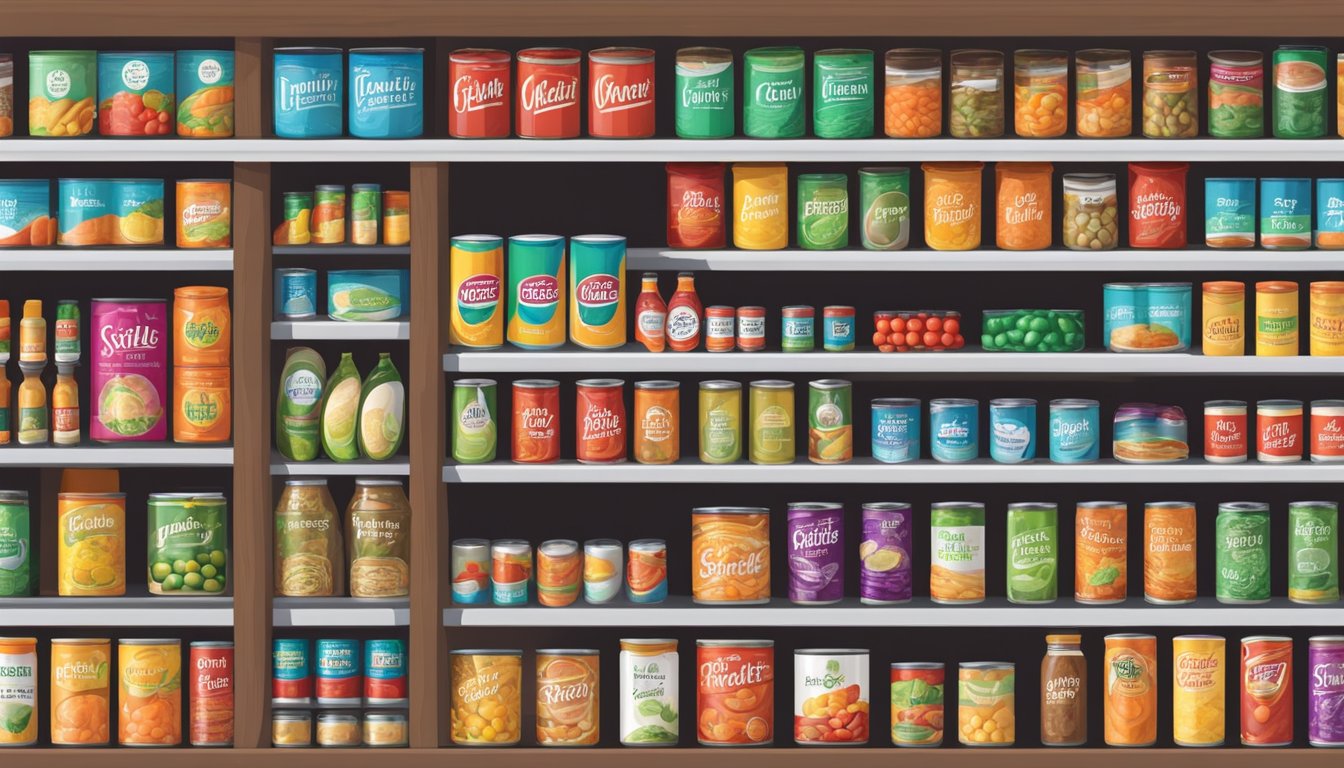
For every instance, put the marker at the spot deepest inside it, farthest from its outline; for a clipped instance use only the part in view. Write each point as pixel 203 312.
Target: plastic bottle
pixel 684 315
pixel 33 333
pixel 65 407
pixel 33 417
pixel 298 405
pixel 650 314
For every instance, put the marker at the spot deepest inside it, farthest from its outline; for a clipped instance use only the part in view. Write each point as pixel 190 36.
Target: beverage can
pixel 536 297
pixel 895 430
pixel 954 430
pixel 649 692
pixel 568 706
pixel 917 703
pixel 957 563
pixel 475 422
pixel 476 268
pixel 536 421
pixel 830 696
pixel 1033 553
pixel 1130 694
pixel 1012 430
pixel 510 571
pixel 1199 678
pixel 830 423
pixel 735 692
pixel 1325 691
pixel 597 291
pixel 1266 691
pixel 1169 574
pixel 1241 536
pixel 771 431
pixel 885 546
pixel 1313 551
pixel 706 103
pixel 1101 545
pixel 986 706
pixel 816 551
pixel 1075 431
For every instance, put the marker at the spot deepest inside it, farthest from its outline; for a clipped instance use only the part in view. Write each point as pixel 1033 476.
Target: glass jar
pixel 976 91
pixel 385 729
pixel 1040 93
pixel 338 729
pixel 378 546
pixel 952 205
pixel 914 93
pixel 1023 210
pixel 1236 94
pixel 291 729
pixel 1091 212
pixel 1170 99
pixel 1104 93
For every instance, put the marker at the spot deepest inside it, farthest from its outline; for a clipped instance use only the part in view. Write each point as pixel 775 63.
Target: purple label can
pixel 816 553
pixel 1325 691
pixel 884 554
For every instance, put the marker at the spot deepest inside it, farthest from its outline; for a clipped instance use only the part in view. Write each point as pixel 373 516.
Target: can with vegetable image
pixel 830 697
pixel 957 567
pixel 18 567
pixel 1313 551
pixel 1101 545
pixel 18 691
pixel 1300 92
pixel 917 703
pixel 188 544
pixel 816 547
pixel 884 204
pixel 205 91
pixel 649 692
pixel 885 568
pixel 830 421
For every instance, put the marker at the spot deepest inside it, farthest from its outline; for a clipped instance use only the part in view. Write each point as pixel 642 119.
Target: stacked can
pixel 202 339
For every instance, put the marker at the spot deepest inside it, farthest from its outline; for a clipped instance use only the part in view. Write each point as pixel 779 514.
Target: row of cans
pixel 504 572
pixel 319 217
pixel 338 672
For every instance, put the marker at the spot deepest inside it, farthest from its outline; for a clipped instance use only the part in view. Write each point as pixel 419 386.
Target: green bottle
pixel 298 406
pixel 339 409
pixel 382 411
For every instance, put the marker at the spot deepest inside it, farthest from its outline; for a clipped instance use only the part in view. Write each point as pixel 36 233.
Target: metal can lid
pixel 798 310
pixel 814 506
pixel 1225 404
pixel 535 384
pixel 837 310
pixel 773 384
pixel 621 55
pixel 301 49
pixel 487 652
pixel 474 382
pixel 657 384
pixel 1103 505
pixel 1068 403
pixel 306 481
pixel 600 383
pixel 510 546
pixel 957 505
pixel 952 402
pixel 13 496
pixel 1309 504
pixel 1276 286
pixel 831 652
pixel 547 55
pixel 1248 507
pixel 828 384
pixel 918 665
pixel 210 644
pixel 395 50
pixel 86 641
pixel 1267 639
pixel 1169 505
pixel 1130 636
pixel 1278 404
pixel 602 544
pixel 1012 402
pixel 150 641
pixel 896 402
pixel 720 384
pixel 469 543
pixel 730 511
pixel 648 545
pixel 986 665
pixel 1032 506
pixel 886 506
pixel 735 643
pixel 479 56
pixel 568 652
pixel 558 548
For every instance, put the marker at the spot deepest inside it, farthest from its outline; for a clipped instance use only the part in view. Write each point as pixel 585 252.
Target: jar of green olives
pixel 1091 212
pixel 1170 98
pixel 1032 330
pixel 976 93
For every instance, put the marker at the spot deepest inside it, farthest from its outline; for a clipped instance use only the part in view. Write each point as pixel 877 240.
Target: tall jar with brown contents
pixel 378 539
pixel 1063 692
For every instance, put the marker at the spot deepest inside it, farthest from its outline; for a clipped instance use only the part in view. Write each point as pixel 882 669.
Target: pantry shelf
pixel 340 612
pixel 120 455
pixel 116 611
pixel 280 466
pixel 335 330
pixel 116 260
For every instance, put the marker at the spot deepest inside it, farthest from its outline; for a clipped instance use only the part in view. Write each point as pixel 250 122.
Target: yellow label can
pixel 1224 318
pixel 1199 675
pixel 761 206
pixel 1327 318
pixel 476 270
pixel 91 550
pixel 772 427
pixel 1276 318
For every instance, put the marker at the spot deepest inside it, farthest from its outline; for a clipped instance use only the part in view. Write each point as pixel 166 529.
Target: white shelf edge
pixel 282 467
pixel 119 260
pixel 146 611
pixel 120 455
pixel 339 612
pixel 336 330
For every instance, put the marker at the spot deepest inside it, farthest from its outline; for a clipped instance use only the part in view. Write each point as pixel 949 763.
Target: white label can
pixel 830 697
pixel 649 693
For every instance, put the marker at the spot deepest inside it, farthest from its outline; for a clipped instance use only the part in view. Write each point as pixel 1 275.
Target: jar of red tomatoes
pixel 922 331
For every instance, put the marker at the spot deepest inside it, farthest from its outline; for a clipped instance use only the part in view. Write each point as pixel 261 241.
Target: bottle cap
pixel 32 308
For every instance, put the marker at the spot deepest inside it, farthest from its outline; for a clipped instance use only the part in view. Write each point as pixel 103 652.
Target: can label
pixel 536 298
pixel 567 699
pixel 476 270
pixel 291 673
pixel 735 695
pixel 621 102
pixel 1131 691
pixel 986 710
pixel 338 676
pixel 1242 557
pixel 1225 438
pixel 830 698
pixel 1012 430
pixel 896 433
pixel 475 429
pixel 1197 697
pixel 1169 554
pixel 1313 546
pixel 1325 693
pixel 830 427
pixel 957 568
pixel 536 424
pixel 80 675
pixel 211 696
pixel 384 671
pixel 816 554
pixel 1033 555
pixel 486 684
pixel 597 292
pixel 1101 544
pixel 917 705
pixel 471 575
pixel 705 99
pixel 601 424
pixel 1280 434
pixel 480 105
pixel 1075 435
pixel 649 693
pixel 1266 691
pixel 954 432
pixel 885 567
pixel 548 96
pixel 18 576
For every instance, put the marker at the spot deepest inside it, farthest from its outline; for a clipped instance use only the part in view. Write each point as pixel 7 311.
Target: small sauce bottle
pixel 32 333
pixel 650 314
pixel 4 332
pixel 65 407
pixel 32 421
pixel 67 331
pixel 684 315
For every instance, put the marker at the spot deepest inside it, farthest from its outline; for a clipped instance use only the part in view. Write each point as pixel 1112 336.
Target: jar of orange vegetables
pixel 1023 221
pixel 952 205
pixel 914 93
pixel 1103 93
pixel 1040 93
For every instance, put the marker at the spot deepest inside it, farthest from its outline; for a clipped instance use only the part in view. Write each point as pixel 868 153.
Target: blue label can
pixel 895 430
pixel 1012 430
pixel 290 671
pixel 309 93
pixel 295 293
pixel 338 672
pixel 385 671
pixel 1229 213
pixel 954 429
pixel 387 99
pixel 797 331
pixel 1285 213
pixel 1329 213
pixel 837 334
pixel 1146 317
pixel 1075 431
pixel 205 94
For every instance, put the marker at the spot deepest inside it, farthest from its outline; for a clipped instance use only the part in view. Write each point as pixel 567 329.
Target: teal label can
pixel 842 94
pixel 706 107
pixel 823 211
pixel 1229 213
pixel 884 204
pixel 1033 553
pixel 1241 538
pixel 1299 92
pixel 1329 232
pixel 1285 214
pixel 773 98
pixel 799 329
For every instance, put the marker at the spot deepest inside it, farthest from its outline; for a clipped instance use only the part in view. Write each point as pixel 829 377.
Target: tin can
pixel 26 215
pixel 203 214
pixel 536 421
pixel 985 695
pixel 719 328
pixel 1033 553
pixel 1326 318
pixel 91 547
pixel 396 217
pixel 1170 95
pixel 1236 94
pixel 1279 423
pixel 751 329
pixel 338 678
pixel 6 95
pixel 646 571
pixel 367 295
pixel 202 327
pixel 386 729
pixel 1157 199
pixel 61 89
pixel 730 547
pixel 760 206
pixel 385 672
pixel 735 692
pixel 568 684
pixel 830 685
pixel 884 203
pixel 957 567
pixel 387 93
pixel 559 572
pixel 1299 92
pixel 87 214
pixel 823 211
pixel 1327 430
pixel 830 421
pixel 600 421
pixel 842 94
pixel 597 291
pixel 210 722
pixel 1229 210
pixel 187 528
pixel 476 267
pixel 67 331
pixel 917 704
pixel 1012 429
pixel 1225 440
pixel 1199 674
pixel 895 430
pixel 1224 318
pixel 18 675
pixel 621 99
pixel 480 91
pixel 975 94
pixel 1329 232
pixel 797 333
pixel 1241 533
pixel 657 422
pixel 18 566
pixel 548 93
pixel 1147 317
pixel 1147 433
pixel 486 682
pixel 327 225
pixel 772 422
pixel 205 91
pixel 1169 576
pixel 1325 687
pixel 773 93
pixel 135 92
pixel 536 300
pixel 720 420
pixel 816 551
pixel 1285 213
pixel 510 571
pixel 1313 546
pixel 1266 694
pixel 298 215
pixel 81 693
pixel 603 571
pixel 1075 431
pixel 149 712
pixel 885 548
pixel 291 729
pixel 837 329
pixel 954 430
pixel 365 213
pixel 649 673
pixel 291 672
pixel 706 103
pixel 475 421
pixel 471 572
pixel 309 93
pixel 1101 544
pixel 695 205
pixel 1130 696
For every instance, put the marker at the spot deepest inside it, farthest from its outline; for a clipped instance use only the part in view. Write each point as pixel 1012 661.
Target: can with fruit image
pixel 830 696
pixel 735 693
pixel 188 543
pixel 135 93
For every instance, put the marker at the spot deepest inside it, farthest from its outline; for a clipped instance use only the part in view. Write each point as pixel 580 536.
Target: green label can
pixel 830 421
pixel 884 202
pixel 188 551
pixel 842 94
pixel 475 426
pixel 1241 537
pixel 773 98
pixel 366 202
pixel 823 211
pixel 706 106
pixel 798 329
pixel 1033 553
pixel 957 552
pixel 18 572
pixel 1313 551
pixel 720 421
pixel 1299 92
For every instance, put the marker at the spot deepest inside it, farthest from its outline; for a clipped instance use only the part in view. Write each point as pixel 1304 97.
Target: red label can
pixel 548 93
pixel 1279 423
pixel 620 104
pixel 536 421
pixel 1225 431
pixel 480 105
pixel 1157 207
pixel 211 703
pixel 735 692
pixel 1266 691
pixel 751 329
pixel 719 328
pixel 1327 430
pixel 695 205
pixel 600 427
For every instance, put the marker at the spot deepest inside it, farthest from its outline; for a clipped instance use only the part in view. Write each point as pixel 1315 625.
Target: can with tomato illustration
pixel 480 91
pixel 830 696
pixel 917 703
pixel 548 93
pixel 600 421
pixel 620 104
pixel 1266 691
pixel 597 291
pixel 735 693
pixel 695 200
pixel 536 421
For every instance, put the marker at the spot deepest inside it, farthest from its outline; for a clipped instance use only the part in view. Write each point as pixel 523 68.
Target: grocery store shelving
pixel 680 611
pixel 337 330
pixel 328 468
pixel 865 470
pixel 119 455
pixel 116 259
pixel 341 250
pixel 145 611
pixel 340 612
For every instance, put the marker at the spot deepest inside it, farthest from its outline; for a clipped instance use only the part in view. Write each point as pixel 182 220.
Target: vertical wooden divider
pixel 429 502
pixel 251 106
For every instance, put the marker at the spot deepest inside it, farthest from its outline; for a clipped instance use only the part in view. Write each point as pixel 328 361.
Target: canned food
pixel 1236 94
pixel 1147 317
pixel 1170 95
pixel 1130 697
pixel 1033 553
pixel 81 693
pixel 842 93
pixel 1023 221
pixel 646 571
pixel 365 213
pixel 952 199
pixel 211 702
pixel 1147 433
pixel 486 684
pixel 695 202
pixel 838 329
pixel 338 679
pixel 188 544
pixel 1279 423
pixel 291 672
pixel 1299 91
pixel 1101 544
pixel 18 567
pixel 896 431
pixel 601 421
pixel 730 547
pixel 338 729
pixel 367 295
pixel 471 566
pixel 475 425
pixel 1327 430
pixel 203 213
pixel 291 729
pixel 1103 93
pixel 1012 430
pixel 296 228
pixel 706 105
pixel 1224 318
pixel 548 94
pixel 816 552
pixel 1326 318
pixel 773 93
pixel 760 205
pixel 568 684
pixel 309 552
pixel 476 267
pixel 91 551
pixel 1157 203
pixel 387 93
pixel 480 91
pixel 1040 94
pixel 597 291
pixel 1199 675
pixel 603 571
pixel 830 687
pixel 560 567
pixel 510 571
pixel 536 298
pixel 621 101
pixel 129 357
pixel 1285 213
pixel 205 88
pixel 1063 692
pixel 309 93
pixel 954 430
pixel 386 729
pixel 657 422
pixel 396 217
pixel 735 696
pixel 201 326
pixel 1313 541
pixel 830 423
pixel 385 672
pixel 886 544
pixel 1329 232
pixel 1266 691
pixel 1229 213
pixel 25 213
pixel 913 99
pixel 772 422
pixel 649 691
pixel 1276 326
pixel 6 95
pixel 986 710
pixel 797 334
pixel 719 328
pixel 1075 431
pixel 1091 207
pixel 1325 687
pixel 957 564
pixel 976 91
pixel 536 421
pixel 61 88
pixel 18 677
pixel 150 712
pixel 917 704
pixel 720 431
pixel 1225 439
pixel 1169 575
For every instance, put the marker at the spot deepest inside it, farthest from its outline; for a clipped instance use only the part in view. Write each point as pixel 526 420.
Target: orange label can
pixel 80 691
pixel 1101 542
pixel 202 326
pixel 568 682
pixel 1266 691
pixel 1169 552
pixel 204 405
pixel 600 430
pixel 149 693
pixel 91 545
pixel 486 691
pixel 536 421
pixel 730 553
pixel 203 213
pixel 657 422
pixel 735 694
pixel 1130 696
pixel 559 572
